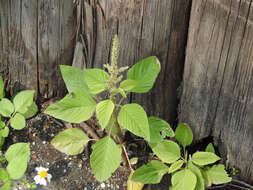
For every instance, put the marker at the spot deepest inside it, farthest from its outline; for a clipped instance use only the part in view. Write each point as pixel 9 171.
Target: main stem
pixel 121 140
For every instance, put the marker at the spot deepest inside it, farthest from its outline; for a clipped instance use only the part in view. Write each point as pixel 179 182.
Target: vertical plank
pixel 217 96
pixel 144 28
pixel 18 58
pixel 56 30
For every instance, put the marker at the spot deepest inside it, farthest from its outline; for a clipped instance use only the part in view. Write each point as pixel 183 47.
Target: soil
pixel 74 172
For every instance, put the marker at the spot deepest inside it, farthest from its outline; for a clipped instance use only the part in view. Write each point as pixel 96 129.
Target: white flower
pixel 42 176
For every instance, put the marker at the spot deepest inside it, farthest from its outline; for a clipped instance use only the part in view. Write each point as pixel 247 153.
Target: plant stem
pixel 121 140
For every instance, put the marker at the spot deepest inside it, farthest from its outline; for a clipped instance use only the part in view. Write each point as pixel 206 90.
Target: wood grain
pixel 217 94
pixel 144 28
pixel 37 36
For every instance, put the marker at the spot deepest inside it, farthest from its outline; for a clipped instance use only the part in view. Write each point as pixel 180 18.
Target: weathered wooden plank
pixel 36 37
pixel 144 28
pixel 56 32
pixel 217 86
pixel 18 63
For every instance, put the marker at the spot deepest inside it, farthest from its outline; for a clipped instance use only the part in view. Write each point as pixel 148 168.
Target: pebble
pixel 102 185
pixel 44 142
pixel 33 143
pixel 117 186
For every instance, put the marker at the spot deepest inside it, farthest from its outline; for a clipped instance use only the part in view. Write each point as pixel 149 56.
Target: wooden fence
pixel 216 100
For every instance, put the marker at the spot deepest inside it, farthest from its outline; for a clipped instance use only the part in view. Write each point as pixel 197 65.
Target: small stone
pixel 44 142
pixel 64 171
pixel 102 185
pixel 80 165
pixel 52 135
pixel 117 186
pixel 48 163
pixel 108 185
pixel 33 143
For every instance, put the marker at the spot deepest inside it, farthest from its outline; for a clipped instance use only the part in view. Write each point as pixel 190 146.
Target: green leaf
pixel 96 80
pixel 74 108
pixel 105 158
pixel 4 176
pixel 176 166
pixel 168 151
pixel 2 94
pixel 204 158
pixel 184 134
pixel 128 85
pixel 132 185
pixel 200 185
pixel 2 124
pixel 218 174
pixel 156 126
pixel 31 111
pixel 6 107
pixel 7 185
pixel 133 118
pixel 184 179
pixel 17 167
pixel 210 148
pixel 17 122
pixel 207 179
pixel 18 150
pixel 17 156
pixel 70 141
pixel 151 173
pixel 73 78
pixel 23 100
pixel 4 132
pixel 144 73
pixel 104 111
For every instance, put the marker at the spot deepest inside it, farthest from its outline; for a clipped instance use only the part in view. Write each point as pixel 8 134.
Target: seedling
pixel 191 172
pixel 14 113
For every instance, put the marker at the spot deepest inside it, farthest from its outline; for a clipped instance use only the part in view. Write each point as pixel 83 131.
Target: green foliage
pixel 204 158
pixel 184 179
pixel 74 79
pixel 133 118
pixel 210 148
pixel 105 158
pixel 175 166
pixel 23 100
pixel 151 173
pixel 2 93
pixel 76 107
pixel 168 151
pixel 6 107
pixel 96 80
pixel 184 134
pixel 70 141
pixel 17 155
pixel 200 185
pixel 18 121
pixel 31 111
pixel 4 132
pixel 188 171
pixel 217 174
pixel 104 111
pixel 159 129
pixel 142 75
